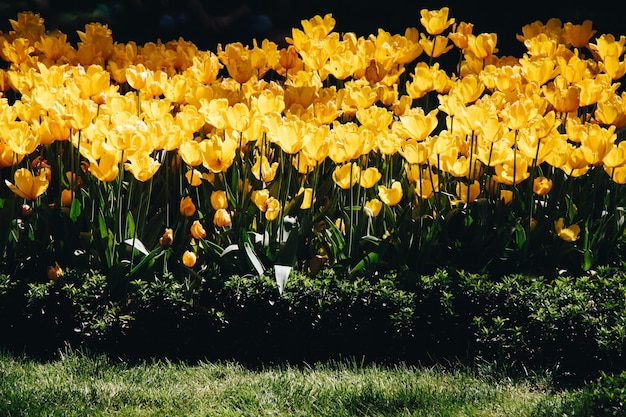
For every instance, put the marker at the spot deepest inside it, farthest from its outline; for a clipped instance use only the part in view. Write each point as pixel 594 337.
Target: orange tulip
pixel 197 231
pixel 187 207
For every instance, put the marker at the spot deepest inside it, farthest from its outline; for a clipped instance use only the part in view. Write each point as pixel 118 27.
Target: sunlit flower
pixel 579 35
pixel 392 195
pixel 189 259
pixel 369 177
pixel 435 21
pixel 272 209
pixel 346 175
pixel 373 207
pixel 259 198
pixel 568 234
pixel 28 186
pixel 194 177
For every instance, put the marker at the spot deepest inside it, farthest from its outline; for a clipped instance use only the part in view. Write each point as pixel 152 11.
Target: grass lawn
pixel 84 385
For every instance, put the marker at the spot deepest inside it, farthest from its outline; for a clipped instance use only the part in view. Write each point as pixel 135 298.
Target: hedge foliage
pixel 568 325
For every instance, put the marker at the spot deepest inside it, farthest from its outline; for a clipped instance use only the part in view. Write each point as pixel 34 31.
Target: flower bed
pixel 363 154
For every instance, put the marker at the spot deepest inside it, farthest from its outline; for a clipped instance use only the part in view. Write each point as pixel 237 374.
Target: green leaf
pixel 75 209
pixel 370 260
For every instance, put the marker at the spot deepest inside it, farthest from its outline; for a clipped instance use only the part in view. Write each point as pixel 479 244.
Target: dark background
pixel 505 18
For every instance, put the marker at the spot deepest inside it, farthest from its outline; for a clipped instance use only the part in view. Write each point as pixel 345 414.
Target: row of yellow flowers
pixel 379 109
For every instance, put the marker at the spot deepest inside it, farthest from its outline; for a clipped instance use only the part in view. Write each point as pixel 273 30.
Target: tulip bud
pixel 167 239
pixel 219 200
pixel 66 198
pixel 27 210
pixel 189 259
pixel 197 231
pixel 221 218
pixel 187 208
pixel 54 272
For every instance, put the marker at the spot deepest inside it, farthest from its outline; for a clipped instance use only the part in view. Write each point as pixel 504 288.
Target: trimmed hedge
pixel 569 325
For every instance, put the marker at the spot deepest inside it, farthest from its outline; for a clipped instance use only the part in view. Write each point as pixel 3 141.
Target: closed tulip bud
pixel 219 200
pixel 167 239
pixel 189 259
pixel 27 210
pixel 221 218
pixel 66 198
pixel 187 207
pixel 197 231
pixel 54 272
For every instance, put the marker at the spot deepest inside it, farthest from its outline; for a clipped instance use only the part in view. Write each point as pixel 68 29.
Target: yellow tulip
pixel 317 27
pixel 219 199
pixel 345 176
pixel 435 21
pixel 191 152
pixel 369 177
pixel 568 234
pixel 194 177
pixel 506 196
pixel 542 185
pixel 106 168
pixel 197 230
pixel 578 35
pixel 373 207
pixel 259 198
pixel 272 209
pixel 222 218
pixel 142 166
pixel 435 47
pixel 189 259
pixel 460 33
pixel 187 207
pixel 28 186
pixel 263 171
pixel 217 154
pixel 392 195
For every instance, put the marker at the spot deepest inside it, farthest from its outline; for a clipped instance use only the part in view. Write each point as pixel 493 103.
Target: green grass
pixel 80 385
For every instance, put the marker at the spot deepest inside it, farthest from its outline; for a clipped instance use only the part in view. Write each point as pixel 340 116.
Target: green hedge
pixel 568 325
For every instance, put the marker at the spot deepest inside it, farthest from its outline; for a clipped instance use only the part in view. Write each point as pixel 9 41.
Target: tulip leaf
pixel 370 260
pixel 75 209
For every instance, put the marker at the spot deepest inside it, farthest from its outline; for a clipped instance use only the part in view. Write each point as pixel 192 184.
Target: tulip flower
pixel 542 185
pixel 369 177
pixel 54 272
pixel 187 207
pixel 167 239
pixel 373 207
pixel 222 218
pixel 345 176
pixel 197 230
pixel 219 199
pixel 28 186
pixel 568 234
pixel 392 195
pixel 272 209
pixel 189 259
pixel 435 21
